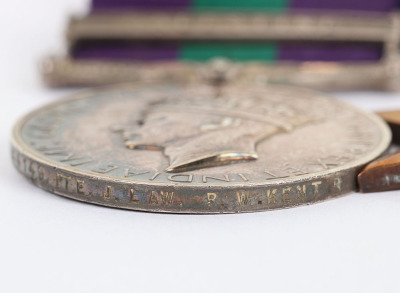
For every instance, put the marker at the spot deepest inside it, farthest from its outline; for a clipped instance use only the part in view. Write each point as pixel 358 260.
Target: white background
pixel 51 244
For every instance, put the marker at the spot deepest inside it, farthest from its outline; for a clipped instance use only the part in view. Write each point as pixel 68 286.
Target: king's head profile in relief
pixel 197 133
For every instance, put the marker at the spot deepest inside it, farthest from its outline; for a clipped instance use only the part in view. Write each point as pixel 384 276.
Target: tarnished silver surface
pixel 198 148
pixel 382 75
pixel 355 27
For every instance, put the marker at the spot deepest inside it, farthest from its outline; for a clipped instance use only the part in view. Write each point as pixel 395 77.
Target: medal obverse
pixel 198 148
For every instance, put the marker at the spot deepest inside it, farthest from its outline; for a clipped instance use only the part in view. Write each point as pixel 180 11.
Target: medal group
pixel 211 117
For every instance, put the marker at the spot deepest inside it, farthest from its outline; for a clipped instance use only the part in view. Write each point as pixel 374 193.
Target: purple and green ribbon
pixel 243 5
pixel 237 51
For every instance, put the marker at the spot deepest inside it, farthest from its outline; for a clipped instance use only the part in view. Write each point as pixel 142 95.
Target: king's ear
pixel 224 122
